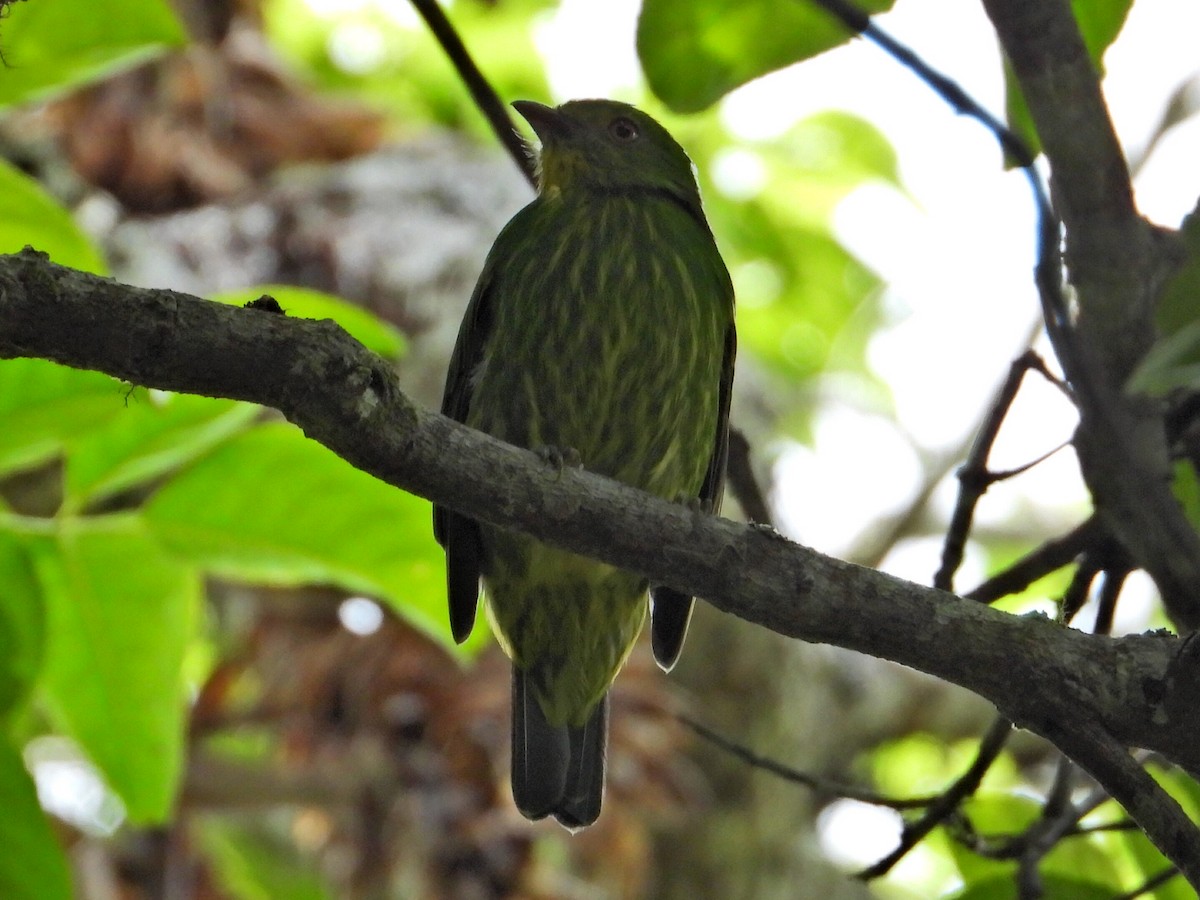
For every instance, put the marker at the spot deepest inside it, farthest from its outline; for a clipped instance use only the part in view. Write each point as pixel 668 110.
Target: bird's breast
pixel 608 338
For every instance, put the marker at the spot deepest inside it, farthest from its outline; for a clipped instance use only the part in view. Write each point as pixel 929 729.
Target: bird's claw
pixel 559 457
pixel 701 505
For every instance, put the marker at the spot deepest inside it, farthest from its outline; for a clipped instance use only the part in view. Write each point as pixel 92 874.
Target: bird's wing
pixel 671 610
pixel 458 535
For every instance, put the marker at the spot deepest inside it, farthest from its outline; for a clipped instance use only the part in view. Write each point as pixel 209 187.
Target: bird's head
pixel 607 146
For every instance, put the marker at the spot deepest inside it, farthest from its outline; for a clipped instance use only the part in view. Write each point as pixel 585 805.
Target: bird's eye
pixel 623 130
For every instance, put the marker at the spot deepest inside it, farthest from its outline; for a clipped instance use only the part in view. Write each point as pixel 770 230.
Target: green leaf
pixel 1179 306
pixel 22 626
pixel 695 51
pixel 154 433
pixel 29 215
pixel 305 303
pixel 252 863
pixel 120 613
pixel 1152 863
pixel 32 866
pixel 1174 360
pixel 52 46
pixel 1075 854
pixel 271 506
pixel 1099 21
pixel 42 404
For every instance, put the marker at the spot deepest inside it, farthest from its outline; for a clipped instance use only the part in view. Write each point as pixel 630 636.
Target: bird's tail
pixel 556 770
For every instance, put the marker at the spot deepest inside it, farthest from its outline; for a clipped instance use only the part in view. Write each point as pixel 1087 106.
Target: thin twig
pixel 1110 592
pixel 1077 591
pixel 482 92
pixel 1048 270
pixel 1058 817
pixel 974 478
pixel 816 783
pixel 948 802
pixel 998 475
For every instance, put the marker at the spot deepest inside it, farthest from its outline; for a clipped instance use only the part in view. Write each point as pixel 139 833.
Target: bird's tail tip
pixel 557 770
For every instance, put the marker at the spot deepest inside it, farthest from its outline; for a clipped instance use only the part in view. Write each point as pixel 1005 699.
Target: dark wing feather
pixel 670 609
pixel 458 535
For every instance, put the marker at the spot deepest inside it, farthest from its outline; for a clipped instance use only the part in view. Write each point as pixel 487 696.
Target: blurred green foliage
pixel 694 52
pixel 52 47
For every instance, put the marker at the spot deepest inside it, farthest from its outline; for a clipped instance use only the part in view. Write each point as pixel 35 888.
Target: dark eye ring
pixel 623 130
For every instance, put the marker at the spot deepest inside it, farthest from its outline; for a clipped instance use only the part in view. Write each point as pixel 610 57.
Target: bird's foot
pixel 559 457
pixel 695 504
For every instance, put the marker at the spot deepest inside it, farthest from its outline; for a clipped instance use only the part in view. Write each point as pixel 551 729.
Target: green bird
pixel 602 325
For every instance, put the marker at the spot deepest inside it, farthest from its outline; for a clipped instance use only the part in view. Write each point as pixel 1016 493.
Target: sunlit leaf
pixel 52 46
pixel 1186 487
pixel 695 51
pixel 271 506
pixel 32 866
pixel 305 303
pixel 30 216
pixel 1153 863
pixel 119 614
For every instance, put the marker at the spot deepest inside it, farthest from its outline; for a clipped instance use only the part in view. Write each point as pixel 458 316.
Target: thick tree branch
pixel 1052 680
pixel 1117 263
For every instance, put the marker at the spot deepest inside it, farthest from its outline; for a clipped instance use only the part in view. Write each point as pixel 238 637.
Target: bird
pixel 600 331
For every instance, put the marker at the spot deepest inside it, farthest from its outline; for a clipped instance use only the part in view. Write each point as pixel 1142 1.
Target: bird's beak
pixel 546 121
